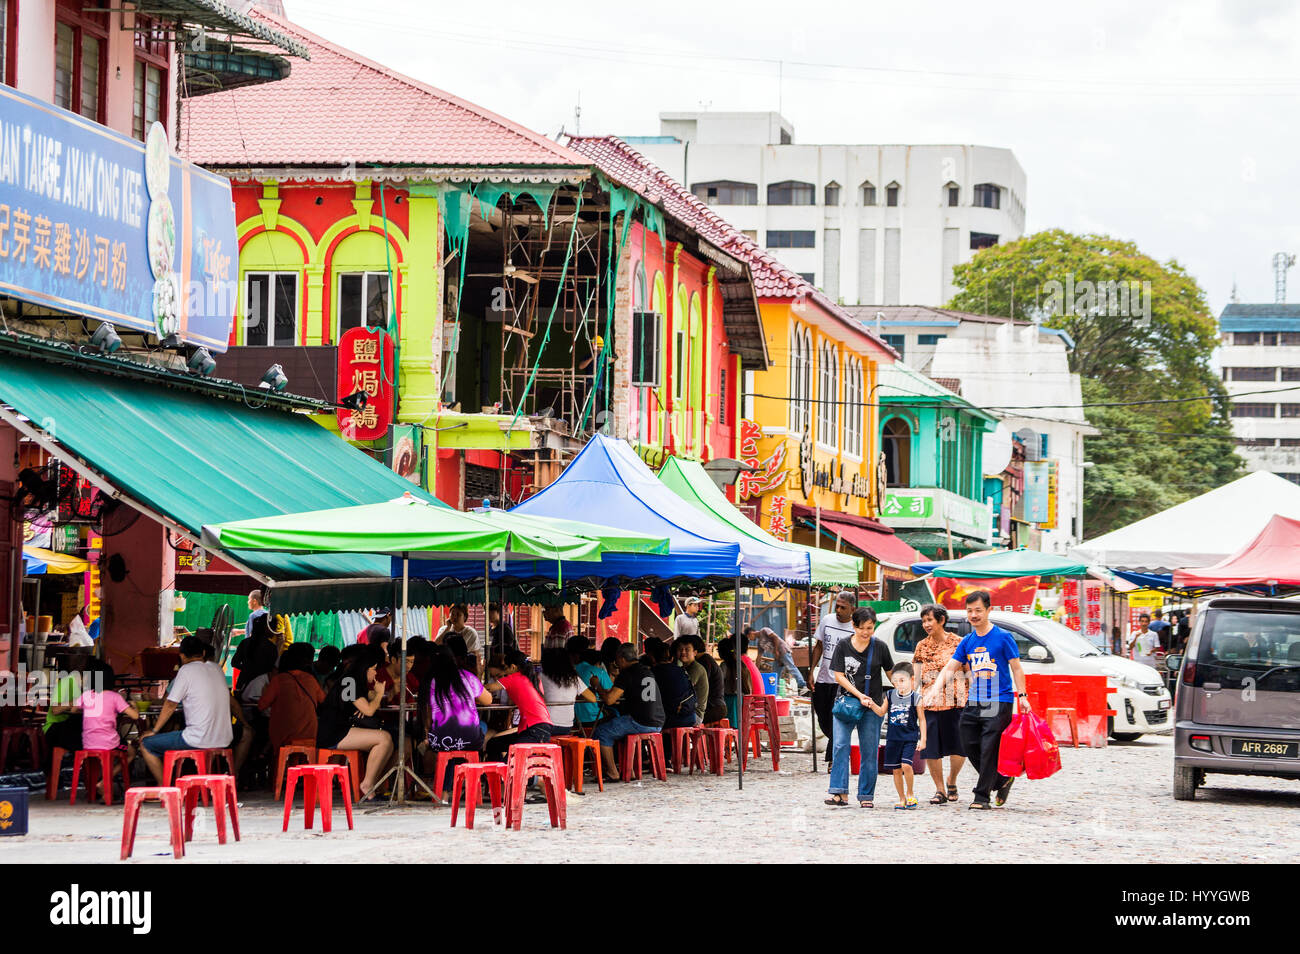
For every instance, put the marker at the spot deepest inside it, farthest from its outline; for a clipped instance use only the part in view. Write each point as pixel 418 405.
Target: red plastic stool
pixel 630 762
pixel 536 760
pixel 576 749
pixel 34 737
pixel 467 777
pixel 104 758
pixel 683 739
pixel 353 759
pixel 56 767
pixel 718 746
pixel 318 782
pixel 720 724
pixel 757 715
pixel 171 801
pixel 298 747
pixel 222 790
pixel 1071 715
pixel 440 768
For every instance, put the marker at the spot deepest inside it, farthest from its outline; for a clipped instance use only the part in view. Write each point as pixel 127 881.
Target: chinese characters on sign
pixel 778 527
pixel 769 474
pixel 366 365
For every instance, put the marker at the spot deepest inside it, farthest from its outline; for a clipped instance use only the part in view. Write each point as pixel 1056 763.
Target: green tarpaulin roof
pixel 688 480
pixel 196 459
pixel 1009 563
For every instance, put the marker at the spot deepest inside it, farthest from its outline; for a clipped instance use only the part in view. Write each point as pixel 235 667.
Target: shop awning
pixel 194 459
pixel 688 480
pixel 864 535
pixel 1271 559
pixel 1006 563
pixel 38 561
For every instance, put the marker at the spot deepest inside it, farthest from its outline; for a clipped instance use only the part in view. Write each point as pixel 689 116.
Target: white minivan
pixel 1137 692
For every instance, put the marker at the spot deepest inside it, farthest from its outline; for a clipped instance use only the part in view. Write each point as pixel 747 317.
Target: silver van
pixel 1237 705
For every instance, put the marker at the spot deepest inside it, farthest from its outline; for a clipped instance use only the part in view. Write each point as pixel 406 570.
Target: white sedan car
pixel 1137 692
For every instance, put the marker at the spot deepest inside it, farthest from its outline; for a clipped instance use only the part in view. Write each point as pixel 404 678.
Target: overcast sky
pixel 1169 124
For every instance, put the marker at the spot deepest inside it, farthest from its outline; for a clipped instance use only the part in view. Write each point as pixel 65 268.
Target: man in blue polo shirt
pixel 997 680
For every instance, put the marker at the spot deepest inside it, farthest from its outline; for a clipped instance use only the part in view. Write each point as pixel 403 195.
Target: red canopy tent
pixel 1271 559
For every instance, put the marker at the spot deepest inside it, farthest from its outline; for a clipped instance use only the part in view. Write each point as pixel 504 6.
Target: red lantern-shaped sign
pixel 366 365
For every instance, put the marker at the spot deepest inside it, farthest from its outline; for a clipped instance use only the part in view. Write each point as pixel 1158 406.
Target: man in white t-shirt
pixel 1144 643
pixel 830 630
pixel 200 689
pixel 688 623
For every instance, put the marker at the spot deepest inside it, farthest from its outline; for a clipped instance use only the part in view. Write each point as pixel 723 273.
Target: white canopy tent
pixel 1197 532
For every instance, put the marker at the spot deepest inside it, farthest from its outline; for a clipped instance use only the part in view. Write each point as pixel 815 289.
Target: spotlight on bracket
pixel 355 401
pixel 201 362
pixel 106 338
pixel 274 379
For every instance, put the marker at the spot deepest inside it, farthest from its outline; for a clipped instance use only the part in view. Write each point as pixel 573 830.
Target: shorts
pixel 942 735
pixel 898 752
pixel 165 742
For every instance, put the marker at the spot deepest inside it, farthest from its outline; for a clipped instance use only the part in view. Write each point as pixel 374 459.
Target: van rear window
pixel 1243 645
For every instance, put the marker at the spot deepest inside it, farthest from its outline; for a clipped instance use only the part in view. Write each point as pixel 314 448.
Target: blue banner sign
pixel 96 224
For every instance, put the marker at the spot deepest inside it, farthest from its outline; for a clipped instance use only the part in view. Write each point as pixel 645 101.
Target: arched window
pixel 987 196
pixel 791 192
pixel 891 194
pixel 868 192
pixel 853 408
pixel 898 452
pixel 828 397
pixel 832 194
pixel 952 194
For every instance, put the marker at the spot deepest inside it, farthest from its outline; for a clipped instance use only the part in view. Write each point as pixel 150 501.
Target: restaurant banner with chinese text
pixel 1015 594
pixel 366 365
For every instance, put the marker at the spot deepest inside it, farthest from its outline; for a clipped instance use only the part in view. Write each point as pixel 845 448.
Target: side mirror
pixel 1038 653
pixel 1174 662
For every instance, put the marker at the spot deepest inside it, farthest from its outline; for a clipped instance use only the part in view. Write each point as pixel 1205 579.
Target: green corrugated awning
pixel 195 459
pixel 688 480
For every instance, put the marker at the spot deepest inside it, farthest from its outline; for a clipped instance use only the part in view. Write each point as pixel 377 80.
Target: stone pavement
pixel 1106 805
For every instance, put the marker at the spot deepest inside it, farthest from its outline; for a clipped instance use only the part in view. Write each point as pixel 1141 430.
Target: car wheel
pixel 1185 780
pixel 1126 736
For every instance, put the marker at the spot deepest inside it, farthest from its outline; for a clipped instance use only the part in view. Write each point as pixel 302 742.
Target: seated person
pixel 458 627
pixel 716 708
pixel 727 651
pixel 687 648
pixel 590 668
pixel 291 698
pixel 454 724
pixel 346 718
pixel 636 693
pixel 200 688
pixel 674 689
pixel 326 661
pixel 561 686
pixel 459 650
pixel 256 653
pixel 534 725
pixel 103 712
pixel 63 721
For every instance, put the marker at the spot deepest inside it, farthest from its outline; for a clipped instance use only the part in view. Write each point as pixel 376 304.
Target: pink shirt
pixel 531 705
pixel 99 712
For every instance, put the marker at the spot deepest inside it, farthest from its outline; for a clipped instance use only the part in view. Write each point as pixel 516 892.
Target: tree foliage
pixel 1143 331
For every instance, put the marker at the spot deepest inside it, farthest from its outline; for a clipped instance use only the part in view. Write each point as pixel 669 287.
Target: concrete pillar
pixel 137 609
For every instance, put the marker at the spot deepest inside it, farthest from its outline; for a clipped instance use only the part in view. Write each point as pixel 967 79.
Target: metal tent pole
pixel 400 788
pixel 739 650
pixel 486 639
pixel 812 675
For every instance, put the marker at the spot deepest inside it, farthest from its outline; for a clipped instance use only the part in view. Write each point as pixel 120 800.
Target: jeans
pixel 823 701
pixel 164 742
pixel 620 727
pixel 868 727
pixel 981 728
pixel 787 665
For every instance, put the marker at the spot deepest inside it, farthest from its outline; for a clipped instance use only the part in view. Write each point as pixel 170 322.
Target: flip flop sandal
pixel 837 802
pixel 901 808
pixel 952 793
pixel 1004 792
pixel 939 798
pixel 866 804
pixel 979 806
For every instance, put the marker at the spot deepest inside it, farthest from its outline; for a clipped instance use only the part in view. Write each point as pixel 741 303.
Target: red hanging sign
pixel 366 364
pixel 1015 594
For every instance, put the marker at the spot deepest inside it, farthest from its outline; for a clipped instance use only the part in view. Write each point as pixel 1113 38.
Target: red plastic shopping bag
pixel 1011 750
pixel 1042 756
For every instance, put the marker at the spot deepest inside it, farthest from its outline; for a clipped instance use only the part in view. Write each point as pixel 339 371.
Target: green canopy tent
pixel 408 525
pixel 688 480
pixel 1006 563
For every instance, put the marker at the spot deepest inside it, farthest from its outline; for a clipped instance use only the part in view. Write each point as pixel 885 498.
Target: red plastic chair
pixel 758 715
pixel 103 759
pixel 440 768
pixel 576 749
pixel 170 797
pixel 544 761
pixel 630 760
pixel 318 782
pixel 468 778
pixel 56 768
pixel 203 759
pixel 222 790
pixel 719 744
pixel 353 759
pixel 34 738
pixel 684 740
pixel 306 750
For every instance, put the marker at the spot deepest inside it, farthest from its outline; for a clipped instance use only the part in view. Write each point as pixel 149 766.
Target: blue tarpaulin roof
pixel 607 482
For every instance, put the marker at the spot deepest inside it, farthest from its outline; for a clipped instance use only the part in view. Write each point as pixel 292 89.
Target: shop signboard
pixel 933 508
pixel 97 224
pixel 1053 468
pixel 406 451
pixel 1092 628
pixel 1015 594
pixel 366 365
pixel 1142 601
pixel 1036 492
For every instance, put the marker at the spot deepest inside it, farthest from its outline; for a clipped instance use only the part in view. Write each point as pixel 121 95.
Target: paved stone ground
pixel 1106 805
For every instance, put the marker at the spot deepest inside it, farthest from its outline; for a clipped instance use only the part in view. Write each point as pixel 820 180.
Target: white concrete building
pixel 867 224
pixel 1260 352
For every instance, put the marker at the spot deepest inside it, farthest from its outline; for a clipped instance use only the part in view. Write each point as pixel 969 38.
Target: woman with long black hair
pixel 561 686
pixel 454 693
pixel 346 719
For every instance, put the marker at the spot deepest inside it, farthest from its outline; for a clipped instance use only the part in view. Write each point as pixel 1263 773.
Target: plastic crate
pixel 13 811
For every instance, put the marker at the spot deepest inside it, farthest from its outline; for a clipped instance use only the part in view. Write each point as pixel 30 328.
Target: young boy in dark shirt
pixel 905 731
